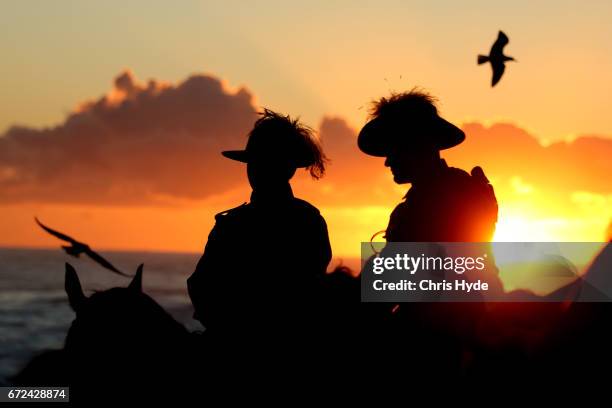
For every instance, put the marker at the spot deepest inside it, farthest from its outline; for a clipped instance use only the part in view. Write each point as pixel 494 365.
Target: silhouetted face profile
pixel 268 175
pixel 408 166
pixel 406 129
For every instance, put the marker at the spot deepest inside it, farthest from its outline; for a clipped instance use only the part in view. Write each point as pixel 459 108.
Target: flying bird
pixel 496 57
pixel 77 248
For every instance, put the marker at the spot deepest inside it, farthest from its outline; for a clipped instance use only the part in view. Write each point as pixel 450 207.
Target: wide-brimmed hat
pixel 275 141
pixel 389 133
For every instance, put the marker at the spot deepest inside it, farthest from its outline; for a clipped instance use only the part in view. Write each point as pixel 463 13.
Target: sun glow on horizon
pixel 517 228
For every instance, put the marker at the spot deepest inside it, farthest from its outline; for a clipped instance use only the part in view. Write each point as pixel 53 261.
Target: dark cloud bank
pixel 139 144
pixel 156 143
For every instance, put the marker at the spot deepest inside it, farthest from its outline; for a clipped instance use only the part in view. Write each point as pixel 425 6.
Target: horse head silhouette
pixel 120 337
pixel 120 324
pixel 118 317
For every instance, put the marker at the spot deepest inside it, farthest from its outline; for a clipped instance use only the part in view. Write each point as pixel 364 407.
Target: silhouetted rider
pixel 444 204
pixel 263 260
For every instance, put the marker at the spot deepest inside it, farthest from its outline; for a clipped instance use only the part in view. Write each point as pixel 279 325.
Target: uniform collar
pixel 438 173
pixel 280 194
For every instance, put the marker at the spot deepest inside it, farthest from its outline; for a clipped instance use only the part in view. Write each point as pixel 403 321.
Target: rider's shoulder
pixel 232 212
pixel 305 207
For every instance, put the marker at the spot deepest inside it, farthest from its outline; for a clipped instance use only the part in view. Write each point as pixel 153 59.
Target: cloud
pixel 536 185
pixel 352 178
pixel 508 154
pixel 158 143
pixel 506 151
pixel 140 144
pixel 520 187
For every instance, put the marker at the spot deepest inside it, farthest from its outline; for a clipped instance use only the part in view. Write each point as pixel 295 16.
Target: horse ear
pixel 136 283
pixel 72 284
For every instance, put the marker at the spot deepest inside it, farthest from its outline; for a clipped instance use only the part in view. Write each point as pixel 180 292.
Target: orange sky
pixel 160 193
pixel 319 57
pixel 138 167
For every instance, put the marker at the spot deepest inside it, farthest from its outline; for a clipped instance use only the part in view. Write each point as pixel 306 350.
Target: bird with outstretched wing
pixel 497 58
pixel 77 248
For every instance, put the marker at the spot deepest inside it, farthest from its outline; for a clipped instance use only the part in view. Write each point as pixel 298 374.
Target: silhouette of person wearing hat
pixel 444 204
pixel 263 259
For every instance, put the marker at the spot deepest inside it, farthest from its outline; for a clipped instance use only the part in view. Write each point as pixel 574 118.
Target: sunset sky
pixel 114 113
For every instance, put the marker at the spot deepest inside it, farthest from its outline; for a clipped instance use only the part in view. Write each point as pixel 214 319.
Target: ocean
pixel 34 310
